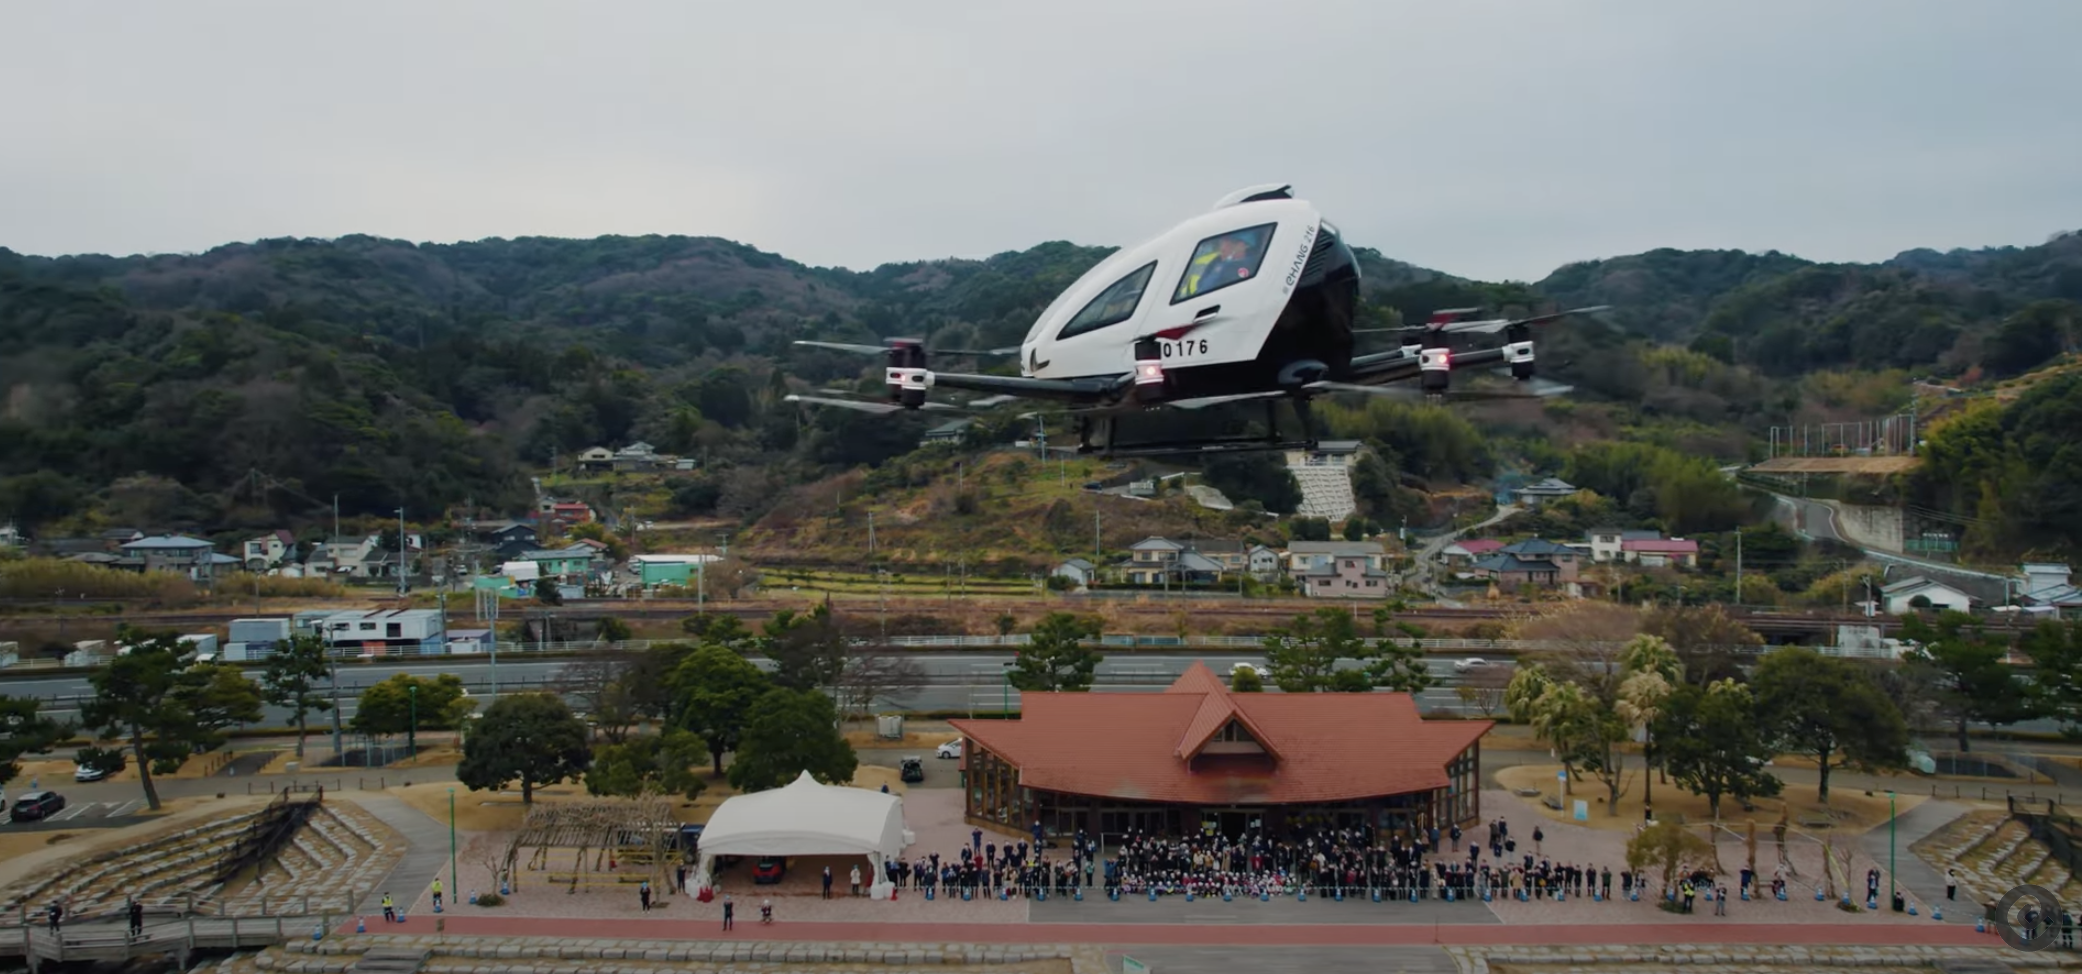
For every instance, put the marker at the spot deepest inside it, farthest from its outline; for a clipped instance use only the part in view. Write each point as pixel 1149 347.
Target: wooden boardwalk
pixel 103 940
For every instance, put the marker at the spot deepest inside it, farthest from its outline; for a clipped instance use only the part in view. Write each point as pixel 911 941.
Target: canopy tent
pixel 805 818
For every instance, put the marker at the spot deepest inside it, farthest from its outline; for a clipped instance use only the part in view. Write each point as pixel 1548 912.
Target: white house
pixel 1078 571
pixel 1607 544
pixel 1306 556
pixel 1535 494
pixel 269 550
pixel 1916 593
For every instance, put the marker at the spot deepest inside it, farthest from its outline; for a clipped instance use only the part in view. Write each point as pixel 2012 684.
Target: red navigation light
pixel 1148 373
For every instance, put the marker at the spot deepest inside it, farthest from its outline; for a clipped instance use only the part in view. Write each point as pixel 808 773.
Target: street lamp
pixel 455 880
pixel 412 729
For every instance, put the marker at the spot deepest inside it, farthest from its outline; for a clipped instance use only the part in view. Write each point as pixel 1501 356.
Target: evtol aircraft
pixel 1253 300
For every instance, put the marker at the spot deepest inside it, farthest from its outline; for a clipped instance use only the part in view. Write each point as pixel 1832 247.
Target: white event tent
pixel 805 818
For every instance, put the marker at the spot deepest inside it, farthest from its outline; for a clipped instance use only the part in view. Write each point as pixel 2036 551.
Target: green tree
pixel 1829 709
pixel 291 679
pixel 222 697
pixel 25 729
pixel 788 732
pixel 529 737
pixel 1246 680
pixel 387 707
pixel 1056 657
pixel 1652 670
pixel 547 593
pixel 1964 666
pixel 727 631
pixel 1712 744
pixel 807 648
pixel 142 699
pixel 716 689
pixel 659 765
pixel 2055 649
pixel 1303 657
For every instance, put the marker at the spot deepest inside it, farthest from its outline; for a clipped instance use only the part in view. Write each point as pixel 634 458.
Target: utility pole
pixel 871 532
pixel 403 552
pixel 1095 531
pixel 1738 567
pixel 332 657
pixel 336 517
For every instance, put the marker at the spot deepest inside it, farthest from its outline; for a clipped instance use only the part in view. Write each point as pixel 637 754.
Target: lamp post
pixel 455 880
pixel 412 729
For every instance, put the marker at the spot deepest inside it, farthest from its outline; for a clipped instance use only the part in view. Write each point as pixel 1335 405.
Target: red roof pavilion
pixel 1197 743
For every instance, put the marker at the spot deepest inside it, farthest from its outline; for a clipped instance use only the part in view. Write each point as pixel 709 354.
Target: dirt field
pixel 1851 809
pixel 480 811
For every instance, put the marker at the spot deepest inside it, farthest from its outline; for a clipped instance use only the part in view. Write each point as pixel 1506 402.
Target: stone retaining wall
pixel 552 955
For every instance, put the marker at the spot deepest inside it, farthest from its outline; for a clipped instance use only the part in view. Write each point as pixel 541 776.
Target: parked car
pixel 1471 663
pixel 36 806
pixel 951 749
pixel 769 870
pixel 1242 667
pixel 83 773
pixel 911 769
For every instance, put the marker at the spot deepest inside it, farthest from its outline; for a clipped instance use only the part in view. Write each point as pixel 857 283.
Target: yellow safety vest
pixel 1195 269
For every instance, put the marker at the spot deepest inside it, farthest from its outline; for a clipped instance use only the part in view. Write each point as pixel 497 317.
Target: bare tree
pixel 872 672
pixel 1585 645
pixel 601 686
pixel 1482 689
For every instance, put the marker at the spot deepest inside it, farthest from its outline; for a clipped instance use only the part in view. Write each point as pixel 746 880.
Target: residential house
pixel 1162 561
pixel 1262 562
pixel 573 562
pixel 1350 576
pixel 500 532
pixel 11 536
pixel 1328 453
pixel 174 553
pixel 1509 570
pixel 1080 572
pixel 104 559
pixel 270 550
pixel 1607 544
pixel 1661 552
pixel 342 556
pixel 1534 561
pixel 1468 551
pixel 597 458
pixel 1304 556
pixel 1540 492
pixel 570 512
pixel 1917 593
pixel 636 457
pixel 953 431
pixel 2048 588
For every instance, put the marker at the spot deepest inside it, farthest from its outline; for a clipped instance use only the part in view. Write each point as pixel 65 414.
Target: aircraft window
pixel 1220 261
pixel 1113 305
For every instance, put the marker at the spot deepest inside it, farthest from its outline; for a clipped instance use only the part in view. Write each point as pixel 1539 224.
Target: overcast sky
pixel 1487 139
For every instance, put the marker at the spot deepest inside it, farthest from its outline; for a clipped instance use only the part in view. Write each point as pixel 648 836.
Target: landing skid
pixel 1104 428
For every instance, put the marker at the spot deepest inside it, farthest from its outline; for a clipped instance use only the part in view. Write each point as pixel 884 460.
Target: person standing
pixel 1720 901
pixel 827 882
pixel 856 880
pixel 57 916
pixel 137 918
pixel 729 912
pixel 643 894
pixel 437 893
pixel 1538 837
pixel 390 909
pixel 1951 884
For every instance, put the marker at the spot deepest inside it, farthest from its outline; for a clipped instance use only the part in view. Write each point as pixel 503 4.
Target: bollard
pixel 967 894
pixel 1937 913
pixel 437 907
pixel 1595 898
pixel 1781 896
pixel 1981 925
pixel 1004 893
pixel 1413 895
pixel 505 888
pixel 1449 894
pixel 1912 909
pixel 1113 893
pixel 1634 896
pixel 1301 896
pixel 1558 896
pixel 361 925
pixel 1870 903
pixel 1077 895
pixel 1041 894
pixel 1264 896
pixel 928 892
pixel 1745 894
pixel 1189 896
pixel 1338 894
pixel 1377 896
pixel 1153 895
pixel 1227 896
pixel 1489 896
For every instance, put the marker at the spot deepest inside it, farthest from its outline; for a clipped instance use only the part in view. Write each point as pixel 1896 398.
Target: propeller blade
pixel 1206 401
pixel 989 401
pixel 845 347
pixel 1014 350
pixel 1537 385
pixel 881 408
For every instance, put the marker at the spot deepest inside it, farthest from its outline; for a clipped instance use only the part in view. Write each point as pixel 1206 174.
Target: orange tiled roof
pixel 1323 747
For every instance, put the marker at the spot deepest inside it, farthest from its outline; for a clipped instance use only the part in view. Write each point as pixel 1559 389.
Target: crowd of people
pixel 1423 864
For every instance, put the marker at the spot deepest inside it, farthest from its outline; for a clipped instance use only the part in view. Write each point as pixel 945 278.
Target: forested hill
pixel 252 383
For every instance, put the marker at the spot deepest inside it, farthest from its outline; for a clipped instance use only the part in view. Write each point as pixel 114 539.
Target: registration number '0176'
pixel 1184 348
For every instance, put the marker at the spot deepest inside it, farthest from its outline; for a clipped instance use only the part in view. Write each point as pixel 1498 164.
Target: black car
pixel 911 770
pixel 37 805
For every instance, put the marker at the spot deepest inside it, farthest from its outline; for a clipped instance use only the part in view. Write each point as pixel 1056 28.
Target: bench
pixel 1816 820
pixel 1552 801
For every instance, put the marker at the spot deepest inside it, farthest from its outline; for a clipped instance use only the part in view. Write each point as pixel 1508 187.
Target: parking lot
pixel 82 815
pixel 939 772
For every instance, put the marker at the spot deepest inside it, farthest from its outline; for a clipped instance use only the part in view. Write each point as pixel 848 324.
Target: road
pixel 1428 553
pixel 954 681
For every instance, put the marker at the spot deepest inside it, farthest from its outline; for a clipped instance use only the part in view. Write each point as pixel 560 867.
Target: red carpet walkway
pixel 1254 935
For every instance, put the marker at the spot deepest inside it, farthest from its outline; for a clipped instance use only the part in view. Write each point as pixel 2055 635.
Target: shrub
pixel 51 578
pixel 490 899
